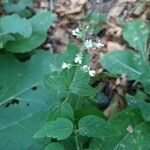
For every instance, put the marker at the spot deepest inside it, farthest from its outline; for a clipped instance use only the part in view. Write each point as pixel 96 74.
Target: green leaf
pixel 97 17
pixel 145 80
pixel 30 111
pixel 14 24
pixel 97 21
pixel 40 24
pixel 19 121
pixel 89 110
pixel 69 143
pixel 142 105
pixel 132 64
pixel 61 128
pixel 25 100
pixel 140 64
pixel 68 56
pixel 118 62
pixel 4 39
pixel 120 122
pixel 80 84
pixel 93 126
pixel 139 139
pixel 19 77
pixel 54 146
pixel 11 6
pixel 141 95
pixel 59 109
pixel 136 33
pixel 72 80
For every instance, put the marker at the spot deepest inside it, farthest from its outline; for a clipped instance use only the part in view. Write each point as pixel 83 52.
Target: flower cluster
pixel 90 44
pixel 76 32
pixel 87 44
pixel 65 66
pixel 78 60
pixel 80 33
pixel 86 68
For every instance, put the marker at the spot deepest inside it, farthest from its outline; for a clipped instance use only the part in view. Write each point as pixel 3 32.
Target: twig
pixel 51 5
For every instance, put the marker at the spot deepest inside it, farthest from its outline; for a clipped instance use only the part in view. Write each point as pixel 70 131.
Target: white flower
pixel 92 73
pixel 99 45
pixel 88 44
pixel 78 59
pixel 85 68
pixel 87 27
pixel 65 65
pixel 76 32
pixel 130 129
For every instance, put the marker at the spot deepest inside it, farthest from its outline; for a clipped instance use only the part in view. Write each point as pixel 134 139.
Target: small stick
pixel 51 5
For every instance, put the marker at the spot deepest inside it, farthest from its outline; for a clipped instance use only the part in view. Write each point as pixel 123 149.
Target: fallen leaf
pixel 114 46
pixel 113 28
pixel 60 36
pixel 117 9
pixel 127 1
pixel 69 7
pixel 112 109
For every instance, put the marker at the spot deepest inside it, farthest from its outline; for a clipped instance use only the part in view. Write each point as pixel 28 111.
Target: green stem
pixel 66 99
pixel 76 141
pixel 77 67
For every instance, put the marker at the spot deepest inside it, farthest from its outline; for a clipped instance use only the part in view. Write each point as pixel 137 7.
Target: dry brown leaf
pixel 146 14
pixel 59 36
pixel 127 1
pixel 112 109
pixel 113 29
pixel 117 9
pixel 76 16
pixel 63 23
pixel 69 7
pixel 120 7
pixel 44 4
pixel 121 80
pixel 114 46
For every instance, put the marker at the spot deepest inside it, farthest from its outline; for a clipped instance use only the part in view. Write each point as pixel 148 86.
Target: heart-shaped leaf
pixel 24 100
pixel 61 128
pixel 93 126
pixel 21 118
pixel 11 6
pixel 59 109
pixel 73 80
pixel 19 77
pixel 40 24
pixel 14 24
